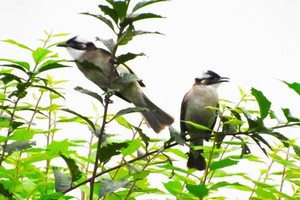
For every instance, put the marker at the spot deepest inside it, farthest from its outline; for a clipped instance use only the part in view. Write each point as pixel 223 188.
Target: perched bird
pixel 196 107
pixel 99 66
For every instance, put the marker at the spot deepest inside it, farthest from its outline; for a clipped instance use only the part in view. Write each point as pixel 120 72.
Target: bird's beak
pixel 223 79
pixel 63 44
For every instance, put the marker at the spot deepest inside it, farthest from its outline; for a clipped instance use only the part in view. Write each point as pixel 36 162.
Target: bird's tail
pixel 156 118
pixel 196 160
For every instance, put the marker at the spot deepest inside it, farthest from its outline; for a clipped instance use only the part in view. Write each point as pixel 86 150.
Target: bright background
pixel 254 43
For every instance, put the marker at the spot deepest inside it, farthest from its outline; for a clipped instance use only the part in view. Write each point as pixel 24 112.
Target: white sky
pixel 254 43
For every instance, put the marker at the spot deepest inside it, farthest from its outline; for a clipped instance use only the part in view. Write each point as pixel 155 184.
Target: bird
pixel 197 107
pixel 99 66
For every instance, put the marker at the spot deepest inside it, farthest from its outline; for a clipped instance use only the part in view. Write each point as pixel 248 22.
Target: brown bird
pixel 121 79
pixel 196 107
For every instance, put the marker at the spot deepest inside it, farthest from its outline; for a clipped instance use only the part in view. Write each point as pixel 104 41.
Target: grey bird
pixel 99 66
pixel 196 107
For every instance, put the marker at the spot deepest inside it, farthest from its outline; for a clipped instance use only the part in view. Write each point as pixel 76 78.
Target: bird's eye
pixel 81 46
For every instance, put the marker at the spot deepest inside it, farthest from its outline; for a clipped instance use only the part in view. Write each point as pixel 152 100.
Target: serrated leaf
pixel 51 64
pixel 40 54
pixel 130 110
pixel 234 185
pixel 110 150
pixel 90 93
pixel 294 86
pixel 23 46
pixel 197 190
pixel 57 148
pixel 143 136
pixel 7 78
pixel 126 57
pixel 119 7
pixel 176 136
pixel 132 147
pixel 6 193
pixel 18 146
pixel 279 136
pixel 288 115
pixel 103 19
pixel 296 149
pixel 108 186
pixel 263 103
pixel 142 4
pixel 197 126
pixel 76 174
pixel 21 65
pixel 49 89
pixel 259 145
pixel 137 17
pixel 62 181
pixel 174 187
pixel 108 43
pixel 86 119
pixel 122 121
pixel 110 12
pixel 22 135
pixel 226 162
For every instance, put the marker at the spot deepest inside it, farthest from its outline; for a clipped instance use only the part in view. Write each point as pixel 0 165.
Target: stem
pixel 284 171
pixel 121 165
pixel 101 133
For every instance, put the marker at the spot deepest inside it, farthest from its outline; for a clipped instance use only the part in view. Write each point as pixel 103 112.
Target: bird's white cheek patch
pixel 75 53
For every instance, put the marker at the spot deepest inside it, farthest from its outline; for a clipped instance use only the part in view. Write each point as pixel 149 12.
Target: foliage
pixel 35 164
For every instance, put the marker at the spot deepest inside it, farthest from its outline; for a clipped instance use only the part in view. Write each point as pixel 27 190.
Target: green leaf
pixel 5 192
pixel 258 143
pixel 226 162
pixel 296 149
pixel 263 102
pixel 40 54
pixel 62 181
pixel 234 185
pixel 21 65
pixel 17 44
pixel 137 17
pixel 126 57
pixel 142 4
pixel 110 12
pixel 174 187
pixel 22 135
pixel 90 93
pixel 86 119
pixel 130 110
pixel 175 136
pixel 288 115
pixel 18 146
pixel 108 186
pixel 108 43
pixel 294 86
pixel 76 174
pixel 51 64
pixel 57 148
pixel 197 126
pixel 132 147
pixel 49 89
pixel 119 7
pixel 279 136
pixel 103 19
pixel 123 122
pixel 111 150
pixel 197 190
pixel 126 36
pixel 143 136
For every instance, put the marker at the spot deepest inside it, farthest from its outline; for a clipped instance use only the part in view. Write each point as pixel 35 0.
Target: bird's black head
pixel 210 77
pixel 78 43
